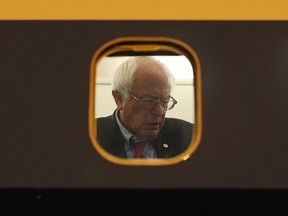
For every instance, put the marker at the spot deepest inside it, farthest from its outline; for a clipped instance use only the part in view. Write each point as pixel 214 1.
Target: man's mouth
pixel 153 125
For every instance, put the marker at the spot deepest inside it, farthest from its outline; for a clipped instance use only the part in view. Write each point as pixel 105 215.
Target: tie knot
pixel 138 145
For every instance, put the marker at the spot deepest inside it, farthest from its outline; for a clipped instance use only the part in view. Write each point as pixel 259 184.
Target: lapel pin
pixel 165 145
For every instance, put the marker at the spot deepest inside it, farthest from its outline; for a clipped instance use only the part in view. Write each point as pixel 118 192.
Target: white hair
pixel 125 73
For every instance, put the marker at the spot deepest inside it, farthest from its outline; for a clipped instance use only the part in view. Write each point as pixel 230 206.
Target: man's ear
pixel 118 98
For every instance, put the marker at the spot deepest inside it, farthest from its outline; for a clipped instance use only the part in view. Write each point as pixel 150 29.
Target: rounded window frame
pixel 144 45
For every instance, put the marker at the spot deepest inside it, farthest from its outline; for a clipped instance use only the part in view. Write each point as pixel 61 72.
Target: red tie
pixel 138 146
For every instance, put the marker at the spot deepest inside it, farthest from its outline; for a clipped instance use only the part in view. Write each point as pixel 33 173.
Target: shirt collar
pixel 126 134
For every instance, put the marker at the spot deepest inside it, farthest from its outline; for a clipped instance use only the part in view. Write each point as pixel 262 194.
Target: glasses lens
pixel 149 103
pixel 169 105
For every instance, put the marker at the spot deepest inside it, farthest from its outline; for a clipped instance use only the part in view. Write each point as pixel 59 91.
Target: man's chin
pixel 150 134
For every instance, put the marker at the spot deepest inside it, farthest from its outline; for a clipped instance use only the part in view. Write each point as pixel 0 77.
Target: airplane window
pixel 146 90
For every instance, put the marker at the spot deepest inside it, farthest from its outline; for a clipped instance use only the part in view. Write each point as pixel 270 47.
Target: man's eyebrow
pixel 149 96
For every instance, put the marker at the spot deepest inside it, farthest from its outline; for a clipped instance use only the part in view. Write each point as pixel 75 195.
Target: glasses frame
pixel 153 101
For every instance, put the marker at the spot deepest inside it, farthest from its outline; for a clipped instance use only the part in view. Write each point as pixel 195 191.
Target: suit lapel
pixel 111 138
pixel 163 148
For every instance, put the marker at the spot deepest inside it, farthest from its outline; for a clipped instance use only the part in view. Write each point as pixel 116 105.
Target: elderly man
pixel 138 128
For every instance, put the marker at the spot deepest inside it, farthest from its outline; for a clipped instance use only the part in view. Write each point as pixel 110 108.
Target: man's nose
pixel 158 109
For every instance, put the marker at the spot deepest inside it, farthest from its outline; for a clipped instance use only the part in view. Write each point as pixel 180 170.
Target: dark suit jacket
pixel 176 133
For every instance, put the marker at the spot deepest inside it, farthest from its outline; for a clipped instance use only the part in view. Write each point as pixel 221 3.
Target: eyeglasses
pixel 149 102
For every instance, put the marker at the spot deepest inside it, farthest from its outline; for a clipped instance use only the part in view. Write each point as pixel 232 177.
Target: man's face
pixel 141 119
